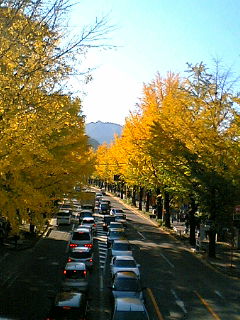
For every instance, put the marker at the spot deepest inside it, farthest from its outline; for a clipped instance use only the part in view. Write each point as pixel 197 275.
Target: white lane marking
pixel 219 294
pixel 179 302
pixel 166 259
pixel 141 235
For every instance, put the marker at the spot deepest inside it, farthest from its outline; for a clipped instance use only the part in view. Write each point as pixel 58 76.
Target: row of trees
pixel 182 142
pixel 44 151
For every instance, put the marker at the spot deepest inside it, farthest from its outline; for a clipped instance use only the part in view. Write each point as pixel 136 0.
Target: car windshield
pixel 127 285
pixel 80 255
pixel 120 216
pixel 125 263
pixel 130 315
pixel 63 214
pixel 81 236
pixel 121 247
pixel 74 274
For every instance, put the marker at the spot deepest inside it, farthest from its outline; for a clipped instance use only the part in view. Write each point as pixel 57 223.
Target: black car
pixel 106 221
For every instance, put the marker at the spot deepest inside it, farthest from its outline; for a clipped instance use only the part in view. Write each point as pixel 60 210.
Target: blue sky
pixel 153 36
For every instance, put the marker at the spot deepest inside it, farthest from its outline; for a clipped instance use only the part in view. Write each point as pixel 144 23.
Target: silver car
pixel 124 263
pixel 129 308
pixel 121 248
pixel 82 254
pixel 126 284
pixel 75 277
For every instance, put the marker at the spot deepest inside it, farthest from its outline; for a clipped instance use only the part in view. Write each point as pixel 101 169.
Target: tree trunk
pixel 134 196
pixel 140 198
pixel 192 221
pixel 147 201
pixel 159 204
pixel 212 243
pixel 166 205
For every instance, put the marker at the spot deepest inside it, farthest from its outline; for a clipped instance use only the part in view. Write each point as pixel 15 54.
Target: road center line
pixel 208 307
pixel 166 259
pixel 154 302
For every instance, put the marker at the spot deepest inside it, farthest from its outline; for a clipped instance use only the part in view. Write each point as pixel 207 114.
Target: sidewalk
pixel 27 240
pixel 227 258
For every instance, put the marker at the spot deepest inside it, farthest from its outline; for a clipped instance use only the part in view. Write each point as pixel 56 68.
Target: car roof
pixel 116 229
pixel 68 299
pixel 75 266
pixel 81 229
pixel 124 258
pixel 129 304
pixel 121 241
pixel 126 275
pixel 87 218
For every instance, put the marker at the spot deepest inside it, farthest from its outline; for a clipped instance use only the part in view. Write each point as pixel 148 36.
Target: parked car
pixel 82 254
pixel 116 225
pixel 121 248
pixel 69 305
pixel 129 308
pixel 126 284
pixel 124 263
pixel 107 219
pixel 81 237
pixel 75 277
pixel 116 210
pixel 114 234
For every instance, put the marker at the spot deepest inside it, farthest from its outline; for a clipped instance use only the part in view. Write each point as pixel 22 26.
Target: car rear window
pixel 81 236
pixel 80 255
pixel 75 274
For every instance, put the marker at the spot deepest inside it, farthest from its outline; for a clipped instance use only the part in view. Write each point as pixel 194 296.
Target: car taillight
pixel 85 272
pixel 69 260
pixel 66 308
pixel 72 245
pixel 88 245
pixel 64 272
pixel 94 225
pixel 91 260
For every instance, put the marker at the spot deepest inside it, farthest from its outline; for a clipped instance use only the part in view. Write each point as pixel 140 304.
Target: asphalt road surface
pixel 178 284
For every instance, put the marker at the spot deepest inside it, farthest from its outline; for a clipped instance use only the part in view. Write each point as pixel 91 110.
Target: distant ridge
pixel 103 131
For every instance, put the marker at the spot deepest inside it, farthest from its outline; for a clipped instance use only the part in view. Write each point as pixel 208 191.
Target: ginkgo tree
pixel 44 151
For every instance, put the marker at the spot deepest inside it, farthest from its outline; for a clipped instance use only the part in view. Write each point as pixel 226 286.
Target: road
pixel 178 284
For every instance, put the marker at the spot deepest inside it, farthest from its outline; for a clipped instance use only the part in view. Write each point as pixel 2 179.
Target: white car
pixel 121 248
pixel 114 211
pixel 89 222
pixel 124 263
pixel 81 237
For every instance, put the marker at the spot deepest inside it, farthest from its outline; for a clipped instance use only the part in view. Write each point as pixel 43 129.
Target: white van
pixel 64 217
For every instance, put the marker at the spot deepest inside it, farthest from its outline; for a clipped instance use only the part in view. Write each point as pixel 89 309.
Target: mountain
pixel 103 131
